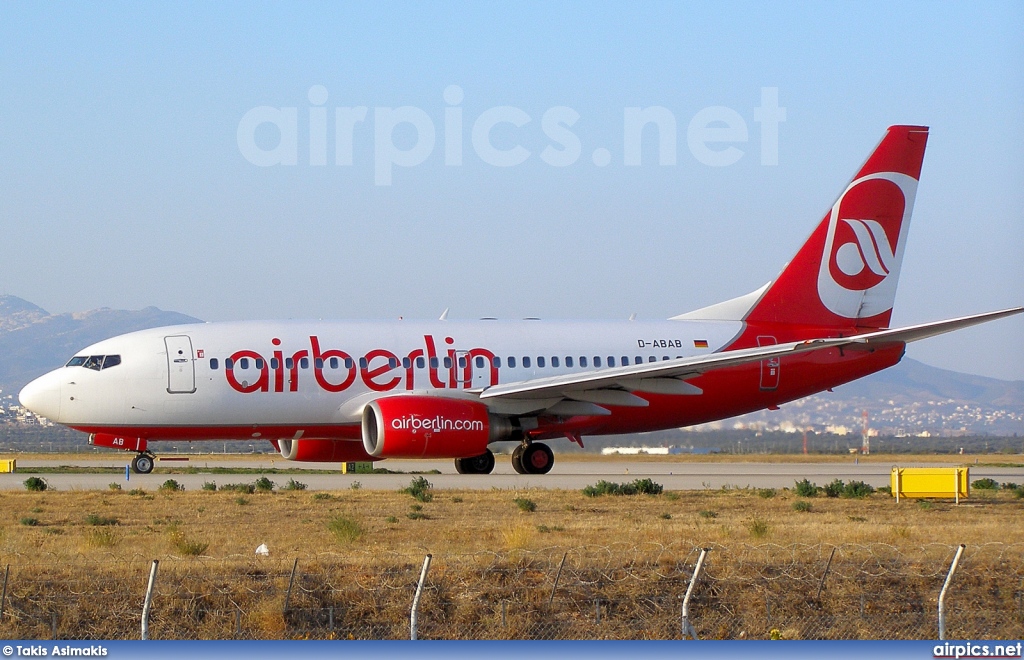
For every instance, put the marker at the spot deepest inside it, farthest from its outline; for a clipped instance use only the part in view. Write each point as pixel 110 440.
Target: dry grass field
pixel 79 562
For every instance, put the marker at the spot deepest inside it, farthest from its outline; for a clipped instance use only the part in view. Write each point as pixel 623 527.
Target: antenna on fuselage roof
pixel 444 314
pixel 632 317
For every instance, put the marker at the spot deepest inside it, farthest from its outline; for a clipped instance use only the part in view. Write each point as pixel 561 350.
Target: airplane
pixel 367 391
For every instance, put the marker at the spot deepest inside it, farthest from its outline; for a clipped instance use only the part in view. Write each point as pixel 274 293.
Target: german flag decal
pixel 700 343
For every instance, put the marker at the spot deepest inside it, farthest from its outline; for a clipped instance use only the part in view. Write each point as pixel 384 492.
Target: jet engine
pixel 430 427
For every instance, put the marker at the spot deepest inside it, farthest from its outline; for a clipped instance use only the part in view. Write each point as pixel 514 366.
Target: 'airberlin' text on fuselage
pixel 380 370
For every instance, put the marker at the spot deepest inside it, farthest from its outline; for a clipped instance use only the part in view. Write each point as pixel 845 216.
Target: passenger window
pixel 496 362
pixel 462 362
pixel 540 362
pixel 406 363
pixel 334 363
pixel 259 363
pixel 638 360
pixel 420 363
pixel 554 360
pixel 480 362
pixel 304 363
pixel 392 362
pixel 583 360
pixel 447 362
pixel 625 361
pixel 274 364
pixel 511 362
pixel 243 363
pixel 76 361
pixel 652 359
pixel 111 361
pixel 229 364
pixel 318 363
pixel 664 358
pixel 213 364
pixel 597 360
pixel 568 360
pixel 349 363
pixel 611 361
pixel 362 363
pixel 289 363
pixel 433 363
pixel 526 362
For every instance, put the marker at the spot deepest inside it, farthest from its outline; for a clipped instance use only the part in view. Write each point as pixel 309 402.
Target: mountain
pixel 33 341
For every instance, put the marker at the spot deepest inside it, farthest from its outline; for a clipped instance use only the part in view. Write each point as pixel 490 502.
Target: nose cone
pixel 42 396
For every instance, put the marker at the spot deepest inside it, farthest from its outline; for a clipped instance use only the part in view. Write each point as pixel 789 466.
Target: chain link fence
pixel 821 591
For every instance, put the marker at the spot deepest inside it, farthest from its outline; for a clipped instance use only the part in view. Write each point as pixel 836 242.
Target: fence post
pixel 3 597
pixel 687 626
pixel 149 599
pixel 291 581
pixel 413 620
pixel 827 566
pixel 945 586
pixel 551 598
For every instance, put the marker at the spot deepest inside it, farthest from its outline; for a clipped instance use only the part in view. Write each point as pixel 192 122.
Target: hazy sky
pixel 128 175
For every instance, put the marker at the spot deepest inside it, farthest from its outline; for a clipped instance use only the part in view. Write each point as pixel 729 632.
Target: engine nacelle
pixel 429 427
pixel 117 442
pixel 323 451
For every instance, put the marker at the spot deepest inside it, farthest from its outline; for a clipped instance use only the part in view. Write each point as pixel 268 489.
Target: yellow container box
pixel 952 482
pixel 9 465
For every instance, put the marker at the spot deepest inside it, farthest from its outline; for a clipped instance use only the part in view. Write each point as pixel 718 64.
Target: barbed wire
pixel 845 591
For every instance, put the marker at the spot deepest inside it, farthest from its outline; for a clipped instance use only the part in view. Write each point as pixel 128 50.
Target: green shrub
pixel 637 487
pixel 209 485
pixel 758 527
pixel 834 489
pixel 857 489
pixel 416 515
pixel 708 514
pixel 766 493
pixel 294 485
pixel 30 522
pixel 100 521
pixel 114 486
pixel 355 485
pixel 264 485
pixel 171 485
pixel 525 505
pixel 1009 485
pixel 239 488
pixel 136 491
pixel 671 496
pixel 805 488
pixel 345 530
pixel 802 506
pixel 36 484
pixel 885 489
pixel 241 500
pixel 391 519
pixel 323 496
pixel 985 483
pixel 666 516
pixel 419 488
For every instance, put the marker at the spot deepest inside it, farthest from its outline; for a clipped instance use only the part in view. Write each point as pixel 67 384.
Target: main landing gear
pixel 532 458
pixel 143 463
pixel 482 464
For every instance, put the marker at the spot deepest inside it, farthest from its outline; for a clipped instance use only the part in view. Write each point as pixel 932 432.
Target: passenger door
pixel 181 368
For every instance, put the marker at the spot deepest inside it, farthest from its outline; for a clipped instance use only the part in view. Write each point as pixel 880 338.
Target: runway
pixel 567 474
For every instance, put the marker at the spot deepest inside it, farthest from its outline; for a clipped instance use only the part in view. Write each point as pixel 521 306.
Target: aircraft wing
pixel 669 376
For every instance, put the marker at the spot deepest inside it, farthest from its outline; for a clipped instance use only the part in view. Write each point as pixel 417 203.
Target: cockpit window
pixel 94 362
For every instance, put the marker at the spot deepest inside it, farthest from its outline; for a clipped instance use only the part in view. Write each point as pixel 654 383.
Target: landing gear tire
pixel 482 464
pixel 536 458
pixel 142 464
pixel 517 459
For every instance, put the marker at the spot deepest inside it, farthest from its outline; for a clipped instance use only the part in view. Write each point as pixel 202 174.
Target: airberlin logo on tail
pixel 864 246
pixel 437 424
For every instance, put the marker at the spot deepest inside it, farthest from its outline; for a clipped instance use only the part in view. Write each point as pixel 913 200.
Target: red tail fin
pixel 846 272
